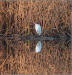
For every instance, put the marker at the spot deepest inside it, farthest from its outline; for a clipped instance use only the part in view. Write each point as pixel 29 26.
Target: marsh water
pixel 19 56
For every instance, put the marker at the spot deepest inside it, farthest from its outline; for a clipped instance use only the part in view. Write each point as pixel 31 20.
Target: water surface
pixel 20 56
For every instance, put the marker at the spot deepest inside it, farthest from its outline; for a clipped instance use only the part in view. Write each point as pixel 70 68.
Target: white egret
pixel 38 47
pixel 38 29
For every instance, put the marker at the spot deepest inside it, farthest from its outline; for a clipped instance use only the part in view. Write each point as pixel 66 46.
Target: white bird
pixel 38 29
pixel 38 47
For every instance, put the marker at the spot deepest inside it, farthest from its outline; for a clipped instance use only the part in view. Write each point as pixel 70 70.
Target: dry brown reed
pixel 17 18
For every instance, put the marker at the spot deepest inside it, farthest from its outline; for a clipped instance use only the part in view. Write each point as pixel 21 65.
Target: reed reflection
pixel 21 57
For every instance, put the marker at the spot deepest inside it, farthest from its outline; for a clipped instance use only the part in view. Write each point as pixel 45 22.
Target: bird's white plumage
pixel 38 47
pixel 38 29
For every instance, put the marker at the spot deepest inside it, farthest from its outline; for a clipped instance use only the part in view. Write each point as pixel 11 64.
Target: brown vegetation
pixel 16 18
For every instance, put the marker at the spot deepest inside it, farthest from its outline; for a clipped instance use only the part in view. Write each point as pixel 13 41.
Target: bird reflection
pixel 38 47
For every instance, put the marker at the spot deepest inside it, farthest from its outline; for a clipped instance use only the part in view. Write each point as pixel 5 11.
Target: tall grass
pixel 18 16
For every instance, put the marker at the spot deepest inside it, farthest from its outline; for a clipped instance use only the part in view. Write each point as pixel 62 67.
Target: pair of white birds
pixel 39 32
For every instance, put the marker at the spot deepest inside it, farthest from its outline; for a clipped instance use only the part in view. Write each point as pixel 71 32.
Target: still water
pixel 41 57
